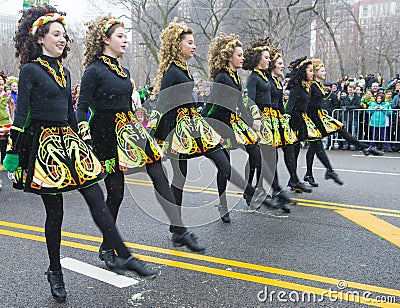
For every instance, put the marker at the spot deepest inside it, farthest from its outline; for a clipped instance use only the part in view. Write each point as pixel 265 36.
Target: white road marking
pixel 373 156
pixel 359 171
pixel 114 279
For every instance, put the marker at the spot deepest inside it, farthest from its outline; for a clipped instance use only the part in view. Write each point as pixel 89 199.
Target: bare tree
pixel 286 22
pixel 9 64
pixel 208 18
pixel 74 61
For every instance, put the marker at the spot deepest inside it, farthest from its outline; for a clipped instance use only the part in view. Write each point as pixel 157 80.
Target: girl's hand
pixel 257 125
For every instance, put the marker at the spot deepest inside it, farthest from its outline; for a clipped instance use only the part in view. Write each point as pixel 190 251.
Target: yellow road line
pixel 134 181
pixel 270 282
pixel 375 225
pixel 342 209
pixel 359 207
pixel 223 273
pixel 302 202
pixel 210 259
pixel 196 189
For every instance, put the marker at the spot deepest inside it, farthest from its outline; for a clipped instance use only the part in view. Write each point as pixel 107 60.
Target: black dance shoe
pixel 187 239
pixel 284 196
pixel 332 175
pixel 310 180
pixel 224 213
pixel 299 187
pixel 108 256
pixel 271 203
pixel 285 207
pixel 374 151
pixel 135 265
pixel 366 151
pixel 57 286
pixel 247 197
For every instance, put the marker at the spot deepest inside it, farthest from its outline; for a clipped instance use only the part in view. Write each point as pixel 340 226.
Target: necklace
pixel 183 67
pixel 261 73
pixel 320 87
pixel 116 68
pixel 277 82
pixel 233 74
pixel 61 81
pixel 306 85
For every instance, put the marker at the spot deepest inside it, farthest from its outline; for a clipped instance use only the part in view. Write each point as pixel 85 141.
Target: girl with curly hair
pixel 44 143
pixel 301 76
pixel 281 121
pixel 225 57
pixel 177 121
pixel 106 86
pixel 327 125
pixel 264 92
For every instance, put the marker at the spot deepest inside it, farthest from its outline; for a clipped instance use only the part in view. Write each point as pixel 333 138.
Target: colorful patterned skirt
pixel 326 124
pixel 4 131
pixel 304 127
pixel 192 136
pixel 275 129
pixel 53 159
pixel 235 132
pixel 121 142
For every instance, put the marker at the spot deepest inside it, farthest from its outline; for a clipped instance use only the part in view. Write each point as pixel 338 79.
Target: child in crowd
pixel 142 116
pixel 379 111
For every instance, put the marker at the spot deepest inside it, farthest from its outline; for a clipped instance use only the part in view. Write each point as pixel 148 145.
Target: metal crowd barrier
pixel 357 121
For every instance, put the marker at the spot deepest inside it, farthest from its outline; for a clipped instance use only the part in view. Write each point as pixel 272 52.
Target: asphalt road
pixel 338 238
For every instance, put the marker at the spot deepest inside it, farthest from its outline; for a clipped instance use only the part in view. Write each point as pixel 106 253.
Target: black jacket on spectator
pixel 330 102
pixel 350 104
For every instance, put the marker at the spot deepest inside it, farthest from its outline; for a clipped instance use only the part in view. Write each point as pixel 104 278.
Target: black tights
pixel 253 165
pixel 261 158
pixel 271 165
pixel 115 185
pixel 166 197
pixel 3 149
pixel 291 161
pixel 220 160
pixel 101 216
pixel 316 147
pixel 351 139
pixel 225 172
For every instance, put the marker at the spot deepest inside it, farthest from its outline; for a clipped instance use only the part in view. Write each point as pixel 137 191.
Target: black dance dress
pixel 120 141
pixel 225 105
pixel 53 159
pixel 184 130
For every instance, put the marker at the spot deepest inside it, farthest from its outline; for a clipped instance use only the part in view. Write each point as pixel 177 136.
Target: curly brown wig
pixel 94 39
pixel 298 71
pixel 3 76
pixel 220 51
pixel 27 47
pixel 170 49
pixel 274 53
pixel 252 57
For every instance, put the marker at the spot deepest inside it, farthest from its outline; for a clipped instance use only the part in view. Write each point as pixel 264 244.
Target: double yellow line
pixel 215 266
pixel 301 202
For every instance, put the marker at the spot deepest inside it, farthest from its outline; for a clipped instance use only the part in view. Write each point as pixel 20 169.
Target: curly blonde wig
pixel 11 80
pixel 317 64
pixel 94 39
pixel 170 49
pixel 220 51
